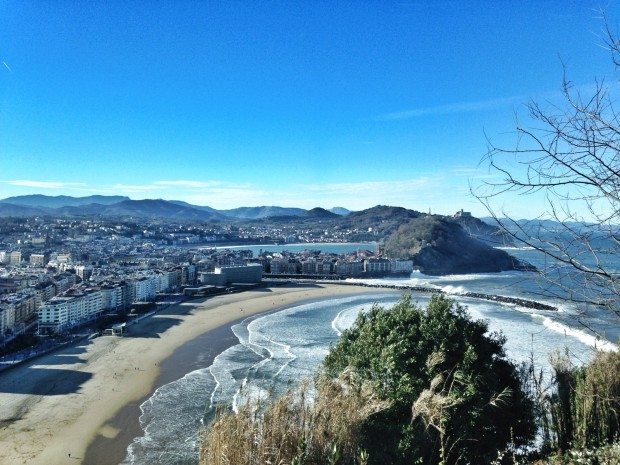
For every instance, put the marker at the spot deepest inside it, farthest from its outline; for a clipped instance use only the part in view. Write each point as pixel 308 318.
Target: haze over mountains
pixel 114 205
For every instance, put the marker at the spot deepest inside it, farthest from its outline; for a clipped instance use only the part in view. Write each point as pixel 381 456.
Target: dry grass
pixel 585 409
pixel 315 424
pixel 606 455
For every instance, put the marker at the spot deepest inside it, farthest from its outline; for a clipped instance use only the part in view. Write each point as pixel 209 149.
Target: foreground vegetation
pixel 293 430
pixel 454 395
pixel 427 386
pixel 579 413
pixel 604 455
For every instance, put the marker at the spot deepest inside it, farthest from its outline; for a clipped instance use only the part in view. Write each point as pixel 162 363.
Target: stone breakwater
pixel 511 300
pixel 475 295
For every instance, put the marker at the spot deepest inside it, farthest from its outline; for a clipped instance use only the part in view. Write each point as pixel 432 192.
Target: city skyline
pixel 288 104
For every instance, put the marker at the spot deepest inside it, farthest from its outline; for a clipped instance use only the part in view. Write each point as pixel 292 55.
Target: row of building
pixel 85 303
pixel 342 267
pixel 59 302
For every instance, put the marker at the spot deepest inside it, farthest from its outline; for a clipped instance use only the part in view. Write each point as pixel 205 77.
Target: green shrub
pixel 454 396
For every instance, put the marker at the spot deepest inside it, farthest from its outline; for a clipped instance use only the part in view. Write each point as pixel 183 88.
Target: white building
pixel 144 289
pixel 111 297
pixel 15 258
pixel 401 266
pixel 226 275
pixel 7 318
pixel 377 265
pixel 63 258
pixel 84 272
pixel 38 259
pixel 61 313
pixel 167 280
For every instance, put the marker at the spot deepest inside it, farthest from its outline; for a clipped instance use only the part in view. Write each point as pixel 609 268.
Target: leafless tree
pixel 569 156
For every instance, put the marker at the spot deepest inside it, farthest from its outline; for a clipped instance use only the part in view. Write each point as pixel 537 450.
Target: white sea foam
pixel 514 248
pixel 581 335
pixel 420 279
pixel 217 382
pixel 335 325
pixel 454 290
pixel 235 405
pixel 169 432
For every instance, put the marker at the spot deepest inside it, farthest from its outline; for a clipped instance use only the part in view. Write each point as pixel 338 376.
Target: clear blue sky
pixel 289 103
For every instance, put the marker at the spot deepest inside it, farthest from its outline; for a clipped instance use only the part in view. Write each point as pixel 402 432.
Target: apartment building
pixel 44 291
pixel 7 318
pixel 112 297
pixel 38 259
pixel 84 272
pixel 402 267
pixel 144 288
pixel 63 312
pixel 377 266
pixel 15 258
pixel 188 276
pixel 64 281
pixel 24 305
pixel 316 267
pixel 284 266
pixel 349 268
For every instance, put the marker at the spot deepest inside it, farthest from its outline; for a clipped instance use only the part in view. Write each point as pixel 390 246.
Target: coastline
pixel 190 356
pixel 84 400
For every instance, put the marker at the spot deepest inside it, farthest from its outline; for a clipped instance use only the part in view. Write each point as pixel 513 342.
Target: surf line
pixel 474 295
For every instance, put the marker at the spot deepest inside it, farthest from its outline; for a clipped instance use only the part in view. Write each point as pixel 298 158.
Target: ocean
pixel 277 350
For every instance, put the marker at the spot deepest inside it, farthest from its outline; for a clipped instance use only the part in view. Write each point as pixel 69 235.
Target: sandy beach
pixel 54 407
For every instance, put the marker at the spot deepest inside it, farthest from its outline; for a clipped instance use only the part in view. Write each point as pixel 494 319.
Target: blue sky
pixel 278 103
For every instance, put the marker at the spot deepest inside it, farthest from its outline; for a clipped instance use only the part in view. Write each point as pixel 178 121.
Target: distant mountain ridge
pixel 319 212
pixel 58 201
pixel 254 213
pixel 116 205
pixel 146 209
pixel 189 205
pixel 340 211
pixel 12 210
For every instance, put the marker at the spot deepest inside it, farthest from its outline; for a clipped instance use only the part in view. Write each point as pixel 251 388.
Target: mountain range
pixel 58 201
pixel 121 206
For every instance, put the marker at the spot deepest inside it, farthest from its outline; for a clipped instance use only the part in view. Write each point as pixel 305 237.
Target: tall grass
pixel 318 423
pixel 585 407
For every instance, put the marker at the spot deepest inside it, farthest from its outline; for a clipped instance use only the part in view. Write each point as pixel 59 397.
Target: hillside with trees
pixel 439 245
